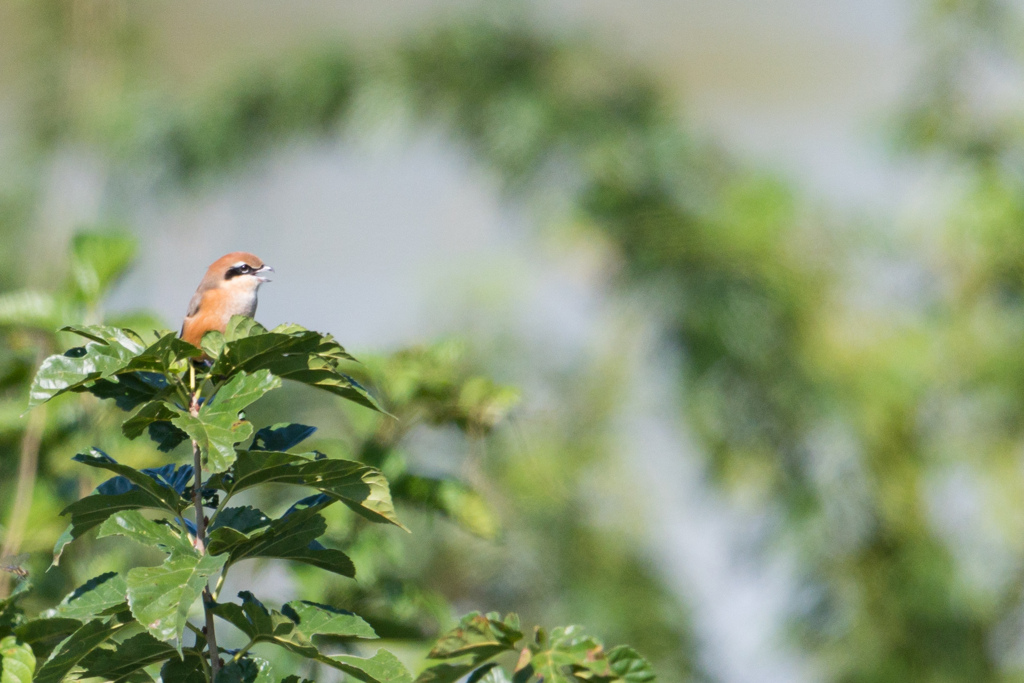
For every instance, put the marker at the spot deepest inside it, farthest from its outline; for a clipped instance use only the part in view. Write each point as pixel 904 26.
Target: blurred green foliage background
pixel 870 434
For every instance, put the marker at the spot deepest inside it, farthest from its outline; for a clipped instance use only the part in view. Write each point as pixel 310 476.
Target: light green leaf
pixel 93 510
pixel 315 619
pixel 132 524
pixel 628 665
pixel 218 427
pixel 76 367
pixel 30 308
pixel 160 597
pixel 18 661
pixel 382 667
pixel 482 636
pixel 100 596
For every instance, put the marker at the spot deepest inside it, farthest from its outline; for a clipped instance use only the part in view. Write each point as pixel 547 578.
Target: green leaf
pixel 628 665
pixel 218 427
pixel 18 661
pixel 131 389
pixel 247 670
pixel 81 365
pixel 189 669
pixel 290 352
pixel 480 636
pixel 98 260
pixel 159 494
pixel 160 597
pixel 446 672
pixel 165 356
pixel 75 648
pixel 100 596
pixel 46 633
pixel 451 498
pixel 312 619
pixel 490 673
pixel 291 538
pixel 281 437
pixel 93 510
pixel 132 524
pixel 382 667
pixel 126 658
pixel 243 519
pixel 156 417
pixel 294 628
pixel 364 489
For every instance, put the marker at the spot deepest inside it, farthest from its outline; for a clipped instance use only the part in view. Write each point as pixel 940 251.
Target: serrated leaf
pixel 98 260
pixel 164 356
pixel 19 663
pixel 132 524
pixel 94 598
pixel 218 427
pixel 382 667
pixel 281 437
pixel 362 488
pixel 160 597
pixel 126 658
pixel 76 647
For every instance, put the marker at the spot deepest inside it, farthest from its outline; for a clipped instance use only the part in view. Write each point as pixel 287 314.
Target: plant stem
pixel 197 502
pixel 27 465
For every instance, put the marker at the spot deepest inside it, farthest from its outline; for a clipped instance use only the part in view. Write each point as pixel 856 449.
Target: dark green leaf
pixel 45 633
pixel 75 648
pixel 161 495
pixel 160 597
pixel 246 670
pixel 243 519
pixel 19 663
pixel 362 488
pixel 446 673
pixel 156 417
pixel 382 667
pixel 187 670
pixel 165 356
pixel 96 597
pixel 130 389
pixel 291 537
pixel 280 437
pixel 126 658
pixel 218 427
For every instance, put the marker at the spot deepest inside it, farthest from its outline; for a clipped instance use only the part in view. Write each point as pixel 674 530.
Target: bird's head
pixel 238 270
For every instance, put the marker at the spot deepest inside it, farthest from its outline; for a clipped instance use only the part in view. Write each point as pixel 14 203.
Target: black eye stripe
pixel 242 269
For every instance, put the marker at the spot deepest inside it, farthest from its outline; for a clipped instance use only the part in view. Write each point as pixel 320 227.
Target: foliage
pixel 123 626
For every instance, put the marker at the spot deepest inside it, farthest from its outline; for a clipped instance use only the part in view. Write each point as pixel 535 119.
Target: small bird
pixel 228 288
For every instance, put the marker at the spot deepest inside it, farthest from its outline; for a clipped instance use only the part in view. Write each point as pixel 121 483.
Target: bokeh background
pixel 748 278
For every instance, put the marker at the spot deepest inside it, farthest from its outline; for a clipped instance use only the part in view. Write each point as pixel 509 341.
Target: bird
pixel 228 288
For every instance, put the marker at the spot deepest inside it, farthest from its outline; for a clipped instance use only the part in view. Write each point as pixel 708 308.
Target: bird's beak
pixel 264 269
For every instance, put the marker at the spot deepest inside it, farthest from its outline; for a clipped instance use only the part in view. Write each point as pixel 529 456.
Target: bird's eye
pixel 245 268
